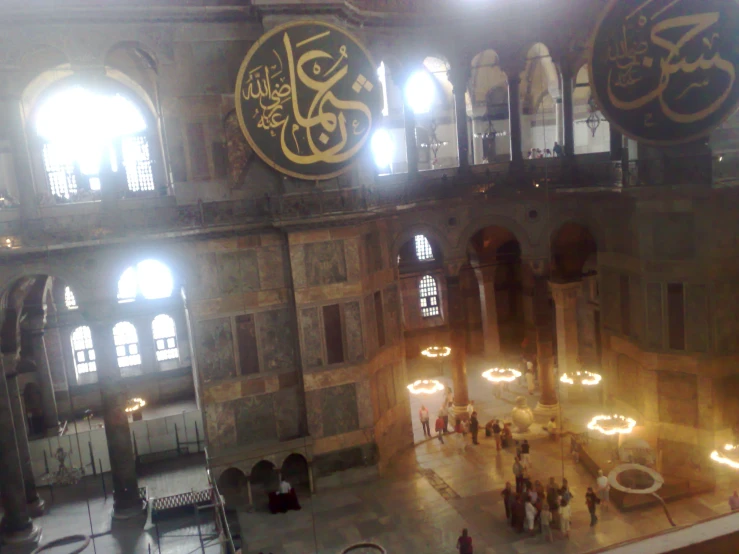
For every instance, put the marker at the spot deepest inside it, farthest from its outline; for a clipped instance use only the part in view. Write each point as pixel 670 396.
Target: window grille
pixel 423 248
pixel 69 300
pixel 429 296
pixel 126 344
pixel 82 351
pixel 165 338
pixel 137 161
pixel 60 169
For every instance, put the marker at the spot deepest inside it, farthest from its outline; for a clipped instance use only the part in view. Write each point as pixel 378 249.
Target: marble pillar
pixel 17 526
pixel 34 501
pixel 490 332
pixel 126 500
pixel 35 329
pixel 411 148
pixel 548 404
pixel 568 113
pixel 565 306
pixel 459 76
pixel 514 111
pixel 458 331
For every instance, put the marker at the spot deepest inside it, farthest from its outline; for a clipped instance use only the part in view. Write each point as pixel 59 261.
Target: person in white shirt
pixel 603 488
pixel 470 408
pixel 284 487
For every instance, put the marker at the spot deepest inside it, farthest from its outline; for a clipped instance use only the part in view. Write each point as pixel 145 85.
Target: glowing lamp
pixel 729 456
pixel 586 378
pixel 498 375
pixel 612 424
pixel 425 386
pixel 135 404
pixel 436 352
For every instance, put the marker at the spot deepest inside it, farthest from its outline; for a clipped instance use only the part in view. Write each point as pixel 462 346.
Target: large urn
pixel 522 415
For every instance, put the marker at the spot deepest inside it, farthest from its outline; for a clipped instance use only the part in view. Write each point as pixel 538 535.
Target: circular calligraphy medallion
pixel 664 72
pixel 307 96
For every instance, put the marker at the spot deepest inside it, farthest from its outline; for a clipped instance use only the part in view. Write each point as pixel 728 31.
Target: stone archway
pixel 234 487
pixel 295 471
pixel 263 479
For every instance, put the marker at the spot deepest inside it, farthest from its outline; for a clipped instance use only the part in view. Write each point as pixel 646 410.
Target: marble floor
pixel 429 493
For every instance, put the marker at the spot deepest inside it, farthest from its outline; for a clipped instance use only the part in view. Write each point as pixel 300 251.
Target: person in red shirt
pixel 439 426
pixel 464 543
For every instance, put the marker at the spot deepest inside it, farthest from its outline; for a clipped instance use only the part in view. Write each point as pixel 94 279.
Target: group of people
pixel 441 426
pixel 556 152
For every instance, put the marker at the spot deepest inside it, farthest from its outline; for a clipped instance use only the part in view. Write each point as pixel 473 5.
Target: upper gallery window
pixel 148 279
pixel 126 344
pixel 69 300
pixel 165 338
pixel 93 142
pixel 82 351
pixel 429 296
pixel 423 249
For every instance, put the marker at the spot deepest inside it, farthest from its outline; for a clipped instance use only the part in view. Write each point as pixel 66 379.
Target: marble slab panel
pixel 255 420
pixel 312 338
pixel 353 329
pixel 339 410
pixel 272 268
pixel 276 340
pixel 288 409
pixel 325 263
pixel 214 348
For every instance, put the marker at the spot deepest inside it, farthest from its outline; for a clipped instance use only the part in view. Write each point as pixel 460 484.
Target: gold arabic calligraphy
pixel 315 129
pixel 631 63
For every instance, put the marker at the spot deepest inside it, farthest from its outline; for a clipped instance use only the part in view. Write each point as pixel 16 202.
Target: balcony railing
pixel 69 224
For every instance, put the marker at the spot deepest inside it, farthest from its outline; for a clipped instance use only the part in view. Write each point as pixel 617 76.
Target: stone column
pixel 459 76
pixel 490 332
pixel 617 145
pixel 568 114
pixel 17 527
pixel 514 117
pixel 411 148
pixel 458 332
pixel 548 404
pixel 35 329
pixel 565 305
pixel 126 500
pixel 34 501
pixel 147 346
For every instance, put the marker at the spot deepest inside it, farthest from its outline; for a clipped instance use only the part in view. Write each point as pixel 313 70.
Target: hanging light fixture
pixel 425 386
pixel 612 424
pixel 729 456
pixel 436 352
pixel 585 378
pixel 498 375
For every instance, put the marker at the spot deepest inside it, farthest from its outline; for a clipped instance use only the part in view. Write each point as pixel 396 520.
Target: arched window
pixel 82 351
pixel 126 344
pixel 165 338
pixel 149 279
pixel 423 249
pixel 429 296
pixel 69 301
pixel 93 141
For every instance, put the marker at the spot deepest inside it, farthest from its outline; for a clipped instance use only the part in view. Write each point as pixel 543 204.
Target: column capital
pixel 565 291
pixel 540 267
pixel 452 269
pixel 459 74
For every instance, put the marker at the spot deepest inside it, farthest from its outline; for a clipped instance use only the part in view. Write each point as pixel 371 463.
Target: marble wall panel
pixel 610 300
pixel 685 461
pixel 312 342
pixel 392 313
pixel 628 376
pixel 221 424
pixel 249 267
pixel 238 272
pixel 726 325
pixel 339 410
pixel 207 285
pixel 287 405
pixel 276 340
pixel 297 265
pixel 313 410
pixel 674 236
pixel 353 260
pixel 325 263
pixel 678 398
pixel 654 326
pixel 696 318
pixel 271 261
pixel 370 326
pixel 214 348
pixel 246 337
pixel 636 308
pixel 255 420
pixel 353 326
pixel 364 404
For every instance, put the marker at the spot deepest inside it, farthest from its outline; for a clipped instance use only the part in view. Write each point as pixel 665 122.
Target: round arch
pixel 295 470
pixel 429 231
pixel 33 269
pixel 263 474
pixel 584 220
pixel 572 246
pixel 480 223
pixel 150 54
pixel 233 485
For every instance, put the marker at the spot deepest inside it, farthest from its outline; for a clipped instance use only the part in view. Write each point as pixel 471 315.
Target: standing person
pixel 557 150
pixel 506 493
pixel 552 428
pixel 734 502
pixel 553 500
pixel 474 427
pixel 530 515
pixel 592 500
pixel 444 414
pixel 470 408
pixel 440 428
pixel 496 433
pixel 603 489
pixel 565 517
pixel 464 543
pixel 423 415
pixel 519 514
pixel 530 380
pixel 525 450
pixel 518 472
pixel 545 518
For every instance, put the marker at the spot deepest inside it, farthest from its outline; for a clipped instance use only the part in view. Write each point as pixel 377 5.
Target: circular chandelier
pixel 498 375
pixel 436 352
pixel 135 404
pixel 612 424
pixel 728 456
pixel 586 378
pixel 425 386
